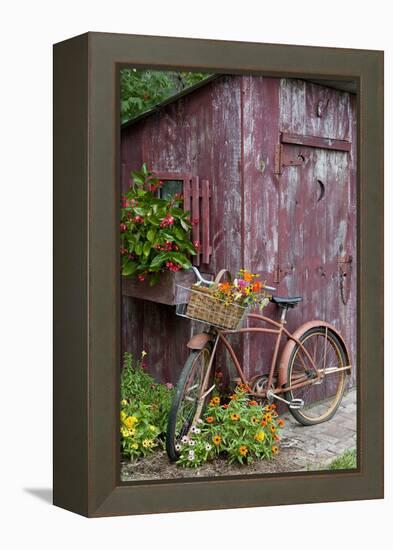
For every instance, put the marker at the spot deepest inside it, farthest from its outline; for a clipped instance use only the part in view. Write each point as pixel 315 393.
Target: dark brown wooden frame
pixel 87 282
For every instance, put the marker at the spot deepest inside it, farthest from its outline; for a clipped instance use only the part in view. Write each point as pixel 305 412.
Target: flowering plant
pixel 244 291
pixel 240 430
pixel 144 408
pixel 154 231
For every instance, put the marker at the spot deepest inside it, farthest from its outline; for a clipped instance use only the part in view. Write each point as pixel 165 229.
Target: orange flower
pixel 225 406
pixel 276 437
pixel 274 449
pixel 273 406
pixel 256 287
pixel 243 450
pixel 264 423
pixel 272 428
pixel 225 287
pixel 247 276
pixel 210 419
pixel 235 417
pixel 215 401
pixel 216 439
pixel 253 403
pixel 233 397
pixel 281 422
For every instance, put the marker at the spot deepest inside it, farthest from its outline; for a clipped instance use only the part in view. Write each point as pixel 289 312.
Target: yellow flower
pixel 215 400
pixel 148 443
pixel 260 436
pixel 124 402
pixel 216 439
pixel 274 449
pixel 254 420
pixel 122 415
pixel 130 421
pixel 134 446
pixel 235 417
pixel 152 428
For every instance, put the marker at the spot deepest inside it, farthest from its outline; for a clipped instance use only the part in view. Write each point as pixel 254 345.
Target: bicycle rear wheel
pixel 322 397
pixel 187 403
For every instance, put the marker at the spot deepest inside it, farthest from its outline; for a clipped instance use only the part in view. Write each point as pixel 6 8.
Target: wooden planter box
pixel 164 292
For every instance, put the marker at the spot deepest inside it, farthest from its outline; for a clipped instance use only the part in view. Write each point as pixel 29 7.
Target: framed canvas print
pixel 218 268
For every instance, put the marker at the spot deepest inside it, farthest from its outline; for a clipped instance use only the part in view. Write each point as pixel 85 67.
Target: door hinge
pixel 281 271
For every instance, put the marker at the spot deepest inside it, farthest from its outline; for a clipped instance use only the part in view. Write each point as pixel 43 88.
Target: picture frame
pixel 87 284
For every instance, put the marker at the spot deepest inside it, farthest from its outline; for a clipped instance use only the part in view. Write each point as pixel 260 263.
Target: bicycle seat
pixel 286 301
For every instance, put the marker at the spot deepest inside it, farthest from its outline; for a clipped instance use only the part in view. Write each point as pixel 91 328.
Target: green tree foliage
pixel 141 90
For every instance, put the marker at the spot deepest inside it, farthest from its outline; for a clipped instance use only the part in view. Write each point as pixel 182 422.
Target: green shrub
pixel 241 431
pixel 144 409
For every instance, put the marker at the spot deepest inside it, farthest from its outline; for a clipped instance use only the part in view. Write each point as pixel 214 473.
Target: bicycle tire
pixel 317 398
pixel 173 435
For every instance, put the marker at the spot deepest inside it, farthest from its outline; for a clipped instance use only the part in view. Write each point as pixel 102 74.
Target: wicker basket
pixel 204 306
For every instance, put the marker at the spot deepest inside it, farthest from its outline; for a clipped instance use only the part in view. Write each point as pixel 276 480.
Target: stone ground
pixel 303 448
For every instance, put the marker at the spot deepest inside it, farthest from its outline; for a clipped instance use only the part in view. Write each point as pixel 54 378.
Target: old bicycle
pixel 309 375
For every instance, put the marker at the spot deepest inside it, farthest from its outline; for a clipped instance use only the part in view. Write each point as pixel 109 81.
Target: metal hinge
pixel 284 157
pixel 280 271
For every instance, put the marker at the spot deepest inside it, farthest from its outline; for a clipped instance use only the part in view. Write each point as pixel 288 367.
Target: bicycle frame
pixel 279 331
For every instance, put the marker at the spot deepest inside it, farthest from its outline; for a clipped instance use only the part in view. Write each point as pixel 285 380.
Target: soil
pixel 157 466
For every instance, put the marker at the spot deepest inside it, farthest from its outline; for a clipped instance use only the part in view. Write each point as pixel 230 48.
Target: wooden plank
pixel 206 247
pixel 195 217
pixel 314 141
pixel 164 292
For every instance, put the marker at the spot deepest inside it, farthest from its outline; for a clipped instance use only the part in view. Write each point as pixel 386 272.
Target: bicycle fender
pixel 289 346
pixel 198 341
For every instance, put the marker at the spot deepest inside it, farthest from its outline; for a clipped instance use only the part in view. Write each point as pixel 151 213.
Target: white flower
pixel 191 457
pixel 178 447
pixel 144 353
pixel 193 429
pixel 197 431
pixel 191 443
pixel 184 439
pixel 200 421
pixel 208 447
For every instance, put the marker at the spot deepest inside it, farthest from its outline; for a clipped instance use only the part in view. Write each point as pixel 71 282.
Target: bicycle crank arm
pixel 293 404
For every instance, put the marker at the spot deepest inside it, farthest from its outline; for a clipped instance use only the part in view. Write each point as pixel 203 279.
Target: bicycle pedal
pixel 296 404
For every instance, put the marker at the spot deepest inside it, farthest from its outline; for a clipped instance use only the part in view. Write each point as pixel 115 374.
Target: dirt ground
pixel 157 466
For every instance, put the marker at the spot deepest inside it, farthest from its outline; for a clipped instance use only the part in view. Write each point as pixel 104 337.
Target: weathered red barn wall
pixel 227 132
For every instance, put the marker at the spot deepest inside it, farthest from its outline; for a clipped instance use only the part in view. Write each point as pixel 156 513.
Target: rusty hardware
pixel 321 107
pixel 344 264
pixel 281 271
pixel 322 190
pixel 284 158
pixel 318 142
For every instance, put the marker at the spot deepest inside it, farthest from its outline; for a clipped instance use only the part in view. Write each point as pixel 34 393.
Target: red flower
pixel 123 227
pixel 141 277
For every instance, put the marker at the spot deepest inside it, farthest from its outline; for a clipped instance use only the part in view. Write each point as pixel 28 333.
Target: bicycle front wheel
pixel 321 397
pixel 192 393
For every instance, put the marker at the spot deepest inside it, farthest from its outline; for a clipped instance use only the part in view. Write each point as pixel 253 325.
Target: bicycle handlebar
pixel 202 280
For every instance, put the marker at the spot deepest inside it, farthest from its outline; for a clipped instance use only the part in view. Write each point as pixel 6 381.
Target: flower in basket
pixel 246 290
pixel 154 231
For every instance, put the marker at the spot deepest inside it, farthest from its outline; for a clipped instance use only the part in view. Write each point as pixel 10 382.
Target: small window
pixel 170 188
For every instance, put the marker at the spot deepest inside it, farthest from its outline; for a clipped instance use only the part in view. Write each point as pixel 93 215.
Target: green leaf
pixel 158 260
pixel 151 235
pixel 129 269
pixel 139 180
pixel 154 221
pixel 140 211
pixel 181 259
pixel 185 225
pixel 146 248
pixel 144 169
pixel 138 249
pixel 178 234
pixel 168 236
